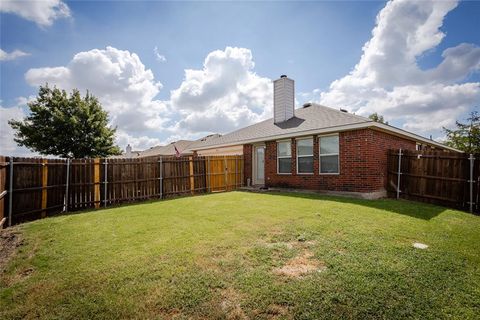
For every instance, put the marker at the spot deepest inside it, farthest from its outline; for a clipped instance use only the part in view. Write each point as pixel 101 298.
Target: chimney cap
pixel 283 76
pixel 308 104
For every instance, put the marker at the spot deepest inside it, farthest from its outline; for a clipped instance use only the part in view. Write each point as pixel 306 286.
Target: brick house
pixel 317 147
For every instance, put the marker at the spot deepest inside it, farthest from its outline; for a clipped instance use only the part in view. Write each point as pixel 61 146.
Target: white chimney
pixel 128 150
pixel 283 99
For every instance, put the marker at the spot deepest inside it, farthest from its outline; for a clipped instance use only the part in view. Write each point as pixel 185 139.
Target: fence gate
pixel 223 173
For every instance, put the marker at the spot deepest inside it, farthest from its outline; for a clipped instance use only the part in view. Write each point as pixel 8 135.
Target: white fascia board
pixel 413 136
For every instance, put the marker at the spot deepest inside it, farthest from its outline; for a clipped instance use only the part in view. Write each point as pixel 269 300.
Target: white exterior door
pixel 259 165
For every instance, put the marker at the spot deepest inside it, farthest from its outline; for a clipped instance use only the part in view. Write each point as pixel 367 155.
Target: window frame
pixel 320 155
pixel 304 156
pixel 284 157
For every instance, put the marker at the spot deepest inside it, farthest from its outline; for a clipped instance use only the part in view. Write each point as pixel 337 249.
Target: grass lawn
pixel 237 255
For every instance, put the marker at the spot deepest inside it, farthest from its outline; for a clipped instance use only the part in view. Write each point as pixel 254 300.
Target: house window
pixel 284 157
pixel 305 155
pixel 329 159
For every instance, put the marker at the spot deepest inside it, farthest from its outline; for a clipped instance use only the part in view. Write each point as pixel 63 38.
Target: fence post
pixel 242 163
pixel 105 183
pixel 44 187
pixel 10 193
pixel 192 178
pixel 96 181
pixel 66 186
pixel 160 179
pixel 399 172
pixel 207 174
pixel 472 160
pixel 236 171
pixel 226 172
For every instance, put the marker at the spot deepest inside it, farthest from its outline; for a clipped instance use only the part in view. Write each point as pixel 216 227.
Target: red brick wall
pixel 363 163
pixel 247 166
pixel 380 144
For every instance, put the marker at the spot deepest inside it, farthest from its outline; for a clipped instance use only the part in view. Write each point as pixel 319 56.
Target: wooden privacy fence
pixel 3 189
pixel 35 188
pixel 444 178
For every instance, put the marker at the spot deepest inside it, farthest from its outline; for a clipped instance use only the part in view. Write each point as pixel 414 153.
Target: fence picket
pixel 43 187
pixel 437 177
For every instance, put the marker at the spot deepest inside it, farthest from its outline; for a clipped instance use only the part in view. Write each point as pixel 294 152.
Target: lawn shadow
pixel 413 209
pixel 116 206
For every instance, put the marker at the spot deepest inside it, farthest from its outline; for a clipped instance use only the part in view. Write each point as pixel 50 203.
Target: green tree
pixel 466 136
pixel 69 126
pixel 377 118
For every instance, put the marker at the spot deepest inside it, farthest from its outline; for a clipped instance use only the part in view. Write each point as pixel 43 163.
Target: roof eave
pixel 288 135
pixel 348 127
pixel 413 136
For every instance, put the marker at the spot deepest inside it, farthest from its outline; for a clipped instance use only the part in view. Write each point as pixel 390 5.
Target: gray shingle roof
pixel 314 117
pixel 185 147
pixel 168 149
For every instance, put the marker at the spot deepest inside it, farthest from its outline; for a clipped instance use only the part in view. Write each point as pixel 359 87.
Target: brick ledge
pixel 358 195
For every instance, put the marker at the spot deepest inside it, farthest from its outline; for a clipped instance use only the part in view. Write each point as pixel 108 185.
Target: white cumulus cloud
pixel 388 79
pixel 15 54
pixel 126 89
pixel 43 12
pixel 225 95
pixel 8 147
pixel 138 143
pixel 119 79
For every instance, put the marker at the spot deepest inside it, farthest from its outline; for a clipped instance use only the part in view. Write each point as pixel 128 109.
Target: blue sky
pixel 315 43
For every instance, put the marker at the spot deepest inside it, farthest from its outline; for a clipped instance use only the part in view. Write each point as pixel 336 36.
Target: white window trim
pixel 305 155
pixel 320 155
pixel 284 157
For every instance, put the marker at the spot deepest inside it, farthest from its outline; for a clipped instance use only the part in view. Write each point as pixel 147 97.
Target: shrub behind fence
pixel 33 188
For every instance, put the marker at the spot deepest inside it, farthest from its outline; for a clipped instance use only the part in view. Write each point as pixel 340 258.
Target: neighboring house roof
pixel 314 119
pixel 125 155
pixel 183 146
pixel 168 149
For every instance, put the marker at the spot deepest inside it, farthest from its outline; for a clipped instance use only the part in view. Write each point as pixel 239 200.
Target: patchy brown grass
pixel 289 244
pixel 170 314
pixel 276 311
pixel 213 257
pixel 10 240
pixel 13 244
pixel 230 304
pixel 301 265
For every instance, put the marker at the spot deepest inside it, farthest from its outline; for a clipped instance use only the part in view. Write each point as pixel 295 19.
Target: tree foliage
pixel 377 118
pixel 69 126
pixel 466 136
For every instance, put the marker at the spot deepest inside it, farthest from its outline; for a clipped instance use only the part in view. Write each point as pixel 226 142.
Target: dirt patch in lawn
pixel 290 244
pixel 171 314
pixel 230 304
pixel 301 265
pixel 276 311
pixel 10 240
pixel 274 245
